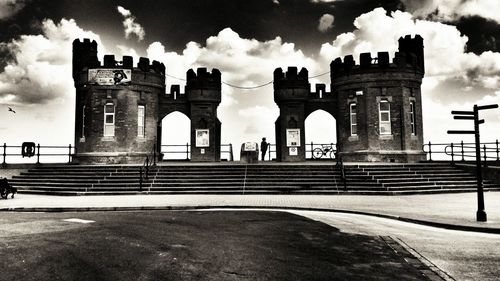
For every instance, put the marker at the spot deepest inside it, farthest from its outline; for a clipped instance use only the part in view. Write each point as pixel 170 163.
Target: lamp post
pixel 474 115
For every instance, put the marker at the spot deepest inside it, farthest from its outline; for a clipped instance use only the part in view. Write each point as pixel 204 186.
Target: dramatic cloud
pixel 131 27
pixel 447 64
pixel 453 77
pixel 8 8
pixel 325 23
pixel 243 62
pixel 450 10
pixel 41 69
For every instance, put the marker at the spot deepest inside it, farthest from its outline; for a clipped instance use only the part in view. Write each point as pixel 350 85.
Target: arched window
pixel 384 109
pixel 109 120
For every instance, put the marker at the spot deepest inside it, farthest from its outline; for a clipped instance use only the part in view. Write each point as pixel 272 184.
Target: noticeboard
pixel 202 138
pixel 292 137
pixel 110 76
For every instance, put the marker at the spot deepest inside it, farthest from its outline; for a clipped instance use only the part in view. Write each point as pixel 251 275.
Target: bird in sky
pixel 12 110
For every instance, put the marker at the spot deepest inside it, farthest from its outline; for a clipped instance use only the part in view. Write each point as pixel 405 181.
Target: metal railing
pixel 45 151
pixel 461 151
pixel 183 152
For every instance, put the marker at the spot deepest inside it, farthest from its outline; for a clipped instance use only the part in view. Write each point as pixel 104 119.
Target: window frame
pixel 413 124
pixel 109 126
pixel 355 114
pixel 141 133
pixel 380 121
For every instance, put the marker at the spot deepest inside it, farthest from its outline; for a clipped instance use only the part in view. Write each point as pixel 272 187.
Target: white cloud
pixel 41 69
pixel 325 22
pixel 243 62
pixel 131 27
pixel 453 77
pixel 8 8
pixel 450 10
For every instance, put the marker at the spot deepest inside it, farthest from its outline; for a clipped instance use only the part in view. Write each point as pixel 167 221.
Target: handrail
pixel 341 167
pixel 461 150
pixel 144 169
pixel 40 150
pixel 185 149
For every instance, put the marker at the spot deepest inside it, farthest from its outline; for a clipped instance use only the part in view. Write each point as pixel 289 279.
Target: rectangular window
pixel 140 121
pixel 412 119
pixel 109 120
pixel 384 117
pixel 353 119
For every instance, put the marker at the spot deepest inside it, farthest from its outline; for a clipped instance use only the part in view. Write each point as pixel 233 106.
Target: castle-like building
pixel 377 106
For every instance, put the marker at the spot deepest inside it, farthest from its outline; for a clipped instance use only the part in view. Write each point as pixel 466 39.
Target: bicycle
pixel 324 150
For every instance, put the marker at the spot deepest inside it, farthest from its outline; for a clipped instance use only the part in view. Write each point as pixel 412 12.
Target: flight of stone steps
pixel 274 178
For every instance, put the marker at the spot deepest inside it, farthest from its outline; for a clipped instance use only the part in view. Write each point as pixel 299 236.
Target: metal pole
pixel 430 151
pixel 485 157
pixel 480 214
pixel 462 144
pixel 4 152
pixel 187 151
pixel 452 156
pixel 231 152
pixel 497 150
pixel 312 148
pixel 38 155
pixel 69 153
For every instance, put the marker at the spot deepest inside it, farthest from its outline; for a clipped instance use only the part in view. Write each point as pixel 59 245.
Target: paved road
pixel 462 255
pixel 194 245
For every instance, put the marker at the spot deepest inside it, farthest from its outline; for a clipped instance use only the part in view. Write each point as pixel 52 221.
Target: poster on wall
pixel 293 151
pixel 292 137
pixel 110 76
pixel 202 138
pixel 250 146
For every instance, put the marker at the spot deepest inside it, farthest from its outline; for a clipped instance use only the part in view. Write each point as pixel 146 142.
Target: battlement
pixel 320 92
pixel 409 58
pixel 291 79
pixel 202 79
pixel 85 57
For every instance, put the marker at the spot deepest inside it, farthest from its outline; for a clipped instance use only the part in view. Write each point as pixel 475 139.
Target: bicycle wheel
pixel 317 153
pixel 331 154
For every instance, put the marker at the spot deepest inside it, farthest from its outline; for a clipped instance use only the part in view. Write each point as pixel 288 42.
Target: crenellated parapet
pixel 87 68
pixel 291 86
pixel 408 59
pixel 202 79
pixel 290 79
pixel 203 86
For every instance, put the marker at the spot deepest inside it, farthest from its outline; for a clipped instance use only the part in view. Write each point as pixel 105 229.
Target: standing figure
pixel 263 147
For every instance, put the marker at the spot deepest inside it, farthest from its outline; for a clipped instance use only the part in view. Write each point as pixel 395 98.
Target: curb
pixel 185 208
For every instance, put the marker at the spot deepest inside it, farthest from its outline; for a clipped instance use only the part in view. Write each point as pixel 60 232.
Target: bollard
pixel 38 155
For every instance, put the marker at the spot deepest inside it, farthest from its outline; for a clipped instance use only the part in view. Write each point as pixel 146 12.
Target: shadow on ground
pixel 196 245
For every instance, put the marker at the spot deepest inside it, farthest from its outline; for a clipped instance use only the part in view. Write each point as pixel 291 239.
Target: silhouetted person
pixel 263 147
pixel 6 188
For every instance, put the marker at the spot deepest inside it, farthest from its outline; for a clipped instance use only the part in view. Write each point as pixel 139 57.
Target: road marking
pixel 78 220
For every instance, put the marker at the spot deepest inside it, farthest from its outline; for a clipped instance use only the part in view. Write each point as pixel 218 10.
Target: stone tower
pixel 379 108
pixel 116 106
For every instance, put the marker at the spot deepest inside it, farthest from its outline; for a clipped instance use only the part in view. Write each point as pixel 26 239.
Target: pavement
pixel 450 211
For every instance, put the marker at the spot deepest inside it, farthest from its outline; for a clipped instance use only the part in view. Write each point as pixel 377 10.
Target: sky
pixel 246 41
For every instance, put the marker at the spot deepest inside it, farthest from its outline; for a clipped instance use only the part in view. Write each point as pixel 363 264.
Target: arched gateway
pixel 377 106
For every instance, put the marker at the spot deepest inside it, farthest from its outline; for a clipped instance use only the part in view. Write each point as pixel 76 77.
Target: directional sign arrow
pixel 490 106
pixel 464 117
pixel 463 112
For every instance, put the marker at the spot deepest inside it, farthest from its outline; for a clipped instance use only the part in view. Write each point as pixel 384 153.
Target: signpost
pixel 474 115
